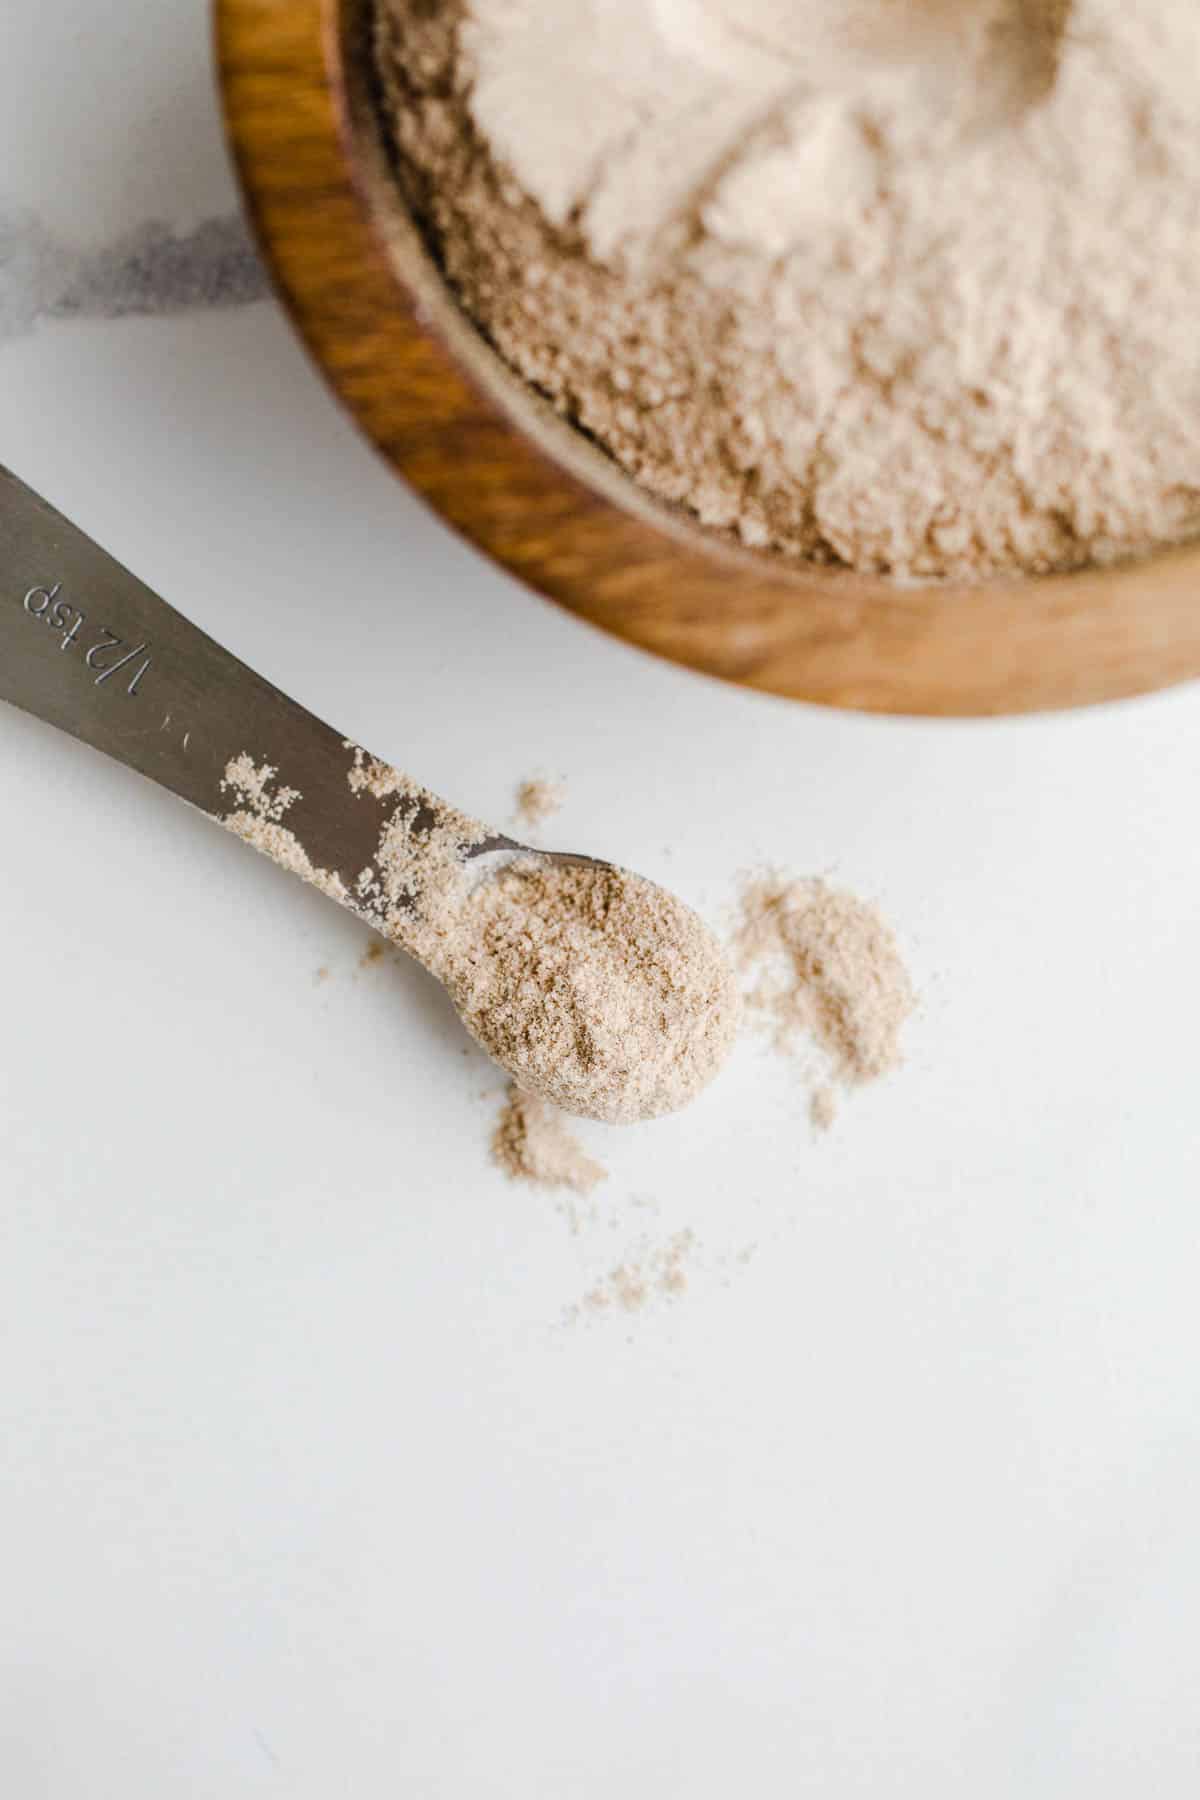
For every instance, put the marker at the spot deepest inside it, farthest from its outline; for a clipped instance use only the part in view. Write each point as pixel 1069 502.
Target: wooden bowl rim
pixel 489 453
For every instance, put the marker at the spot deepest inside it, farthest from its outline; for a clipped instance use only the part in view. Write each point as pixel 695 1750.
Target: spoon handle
pixel 88 647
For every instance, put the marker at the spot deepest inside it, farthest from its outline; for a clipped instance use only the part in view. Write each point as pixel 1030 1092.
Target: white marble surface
pixel 307 1488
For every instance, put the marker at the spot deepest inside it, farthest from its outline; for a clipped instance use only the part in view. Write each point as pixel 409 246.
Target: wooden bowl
pixel 536 495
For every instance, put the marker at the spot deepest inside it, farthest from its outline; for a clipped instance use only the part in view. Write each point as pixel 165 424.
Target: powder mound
pixel 531 1143
pixel 826 967
pixel 593 987
pixel 931 320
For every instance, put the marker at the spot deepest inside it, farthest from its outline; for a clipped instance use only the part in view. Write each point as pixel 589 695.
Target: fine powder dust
pixel 532 1143
pixel 923 305
pixel 644 1274
pixel 822 1108
pixel 257 821
pixel 538 800
pixel 823 967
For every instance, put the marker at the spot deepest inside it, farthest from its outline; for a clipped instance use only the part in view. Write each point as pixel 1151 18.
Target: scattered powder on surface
pixel 822 1108
pixel 640 1277
pixel 531 1143
pixel 598 989
pixel 909 288
pixel 823 967
pixel 538 800
pixel 592 986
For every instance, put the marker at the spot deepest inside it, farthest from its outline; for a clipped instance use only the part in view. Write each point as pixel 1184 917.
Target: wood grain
pixel 535 496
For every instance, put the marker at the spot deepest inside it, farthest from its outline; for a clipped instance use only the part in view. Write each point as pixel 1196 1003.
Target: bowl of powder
pixel 841 348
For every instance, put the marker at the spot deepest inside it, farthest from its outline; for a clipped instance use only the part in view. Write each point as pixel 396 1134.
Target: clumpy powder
pixel 824 967
pixel 592 986
pixel 532 1143
pixel 257 821
pixel 921 306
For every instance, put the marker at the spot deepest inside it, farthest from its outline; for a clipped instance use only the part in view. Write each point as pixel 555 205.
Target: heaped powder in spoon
pixel 906 285
pixel 592 986
pixel 600 993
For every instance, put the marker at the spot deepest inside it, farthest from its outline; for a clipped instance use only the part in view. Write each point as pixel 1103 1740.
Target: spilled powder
pixel 538 800
pixel 820 969
pixel 256 820
pixel 821 966
pixel 532 1143
pixel 414 887
pixel 640 1277
pixel 823 1108
pixel 253 786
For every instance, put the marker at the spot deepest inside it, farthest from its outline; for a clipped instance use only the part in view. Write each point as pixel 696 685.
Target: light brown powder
pixel 253 783
pixel 413 889
pixel 823 967
pixel 531 1143
pixel 867 322
pixel 647 1272
pixel 592 986
pixel 822 1108
pixel 367 775
pixel 538 800
pixel 256 821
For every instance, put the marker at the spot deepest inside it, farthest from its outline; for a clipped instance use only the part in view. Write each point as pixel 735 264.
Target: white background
pixel 308 1489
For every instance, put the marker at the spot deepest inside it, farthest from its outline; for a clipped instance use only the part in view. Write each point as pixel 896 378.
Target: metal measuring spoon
pixel 88 647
